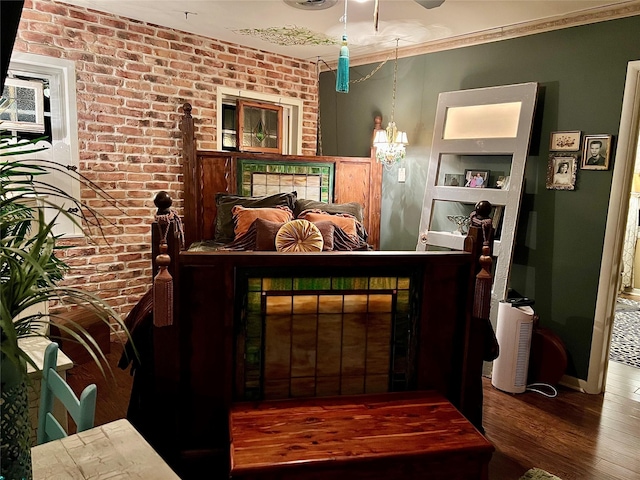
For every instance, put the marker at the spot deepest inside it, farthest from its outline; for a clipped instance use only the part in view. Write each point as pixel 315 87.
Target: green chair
pixel 82 410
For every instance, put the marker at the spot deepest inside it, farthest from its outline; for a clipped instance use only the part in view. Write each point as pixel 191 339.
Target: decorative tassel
pixel 484 279
pixel 342 78
pixel 163 290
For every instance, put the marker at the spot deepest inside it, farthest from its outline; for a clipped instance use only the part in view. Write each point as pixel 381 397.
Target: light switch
pixel 402 175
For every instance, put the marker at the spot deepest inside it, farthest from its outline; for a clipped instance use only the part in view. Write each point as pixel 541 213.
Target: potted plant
pixel 30 274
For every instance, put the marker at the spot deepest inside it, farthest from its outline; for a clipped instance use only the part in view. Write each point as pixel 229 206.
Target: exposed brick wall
pixel 132 77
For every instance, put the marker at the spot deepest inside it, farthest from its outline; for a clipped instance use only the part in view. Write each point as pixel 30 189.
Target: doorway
pixel 611 264
pixel 624 347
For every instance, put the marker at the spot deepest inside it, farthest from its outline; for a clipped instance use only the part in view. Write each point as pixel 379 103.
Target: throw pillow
pixel 299 236
pixel 353 208
pixel 266 231
pixel 344 221
pixel 244 217
pixel 224 227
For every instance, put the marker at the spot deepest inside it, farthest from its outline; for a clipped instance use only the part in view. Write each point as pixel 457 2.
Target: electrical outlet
pixel 402 175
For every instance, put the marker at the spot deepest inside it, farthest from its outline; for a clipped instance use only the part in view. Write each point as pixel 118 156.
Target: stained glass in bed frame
pixel 325 336
pixel 313 181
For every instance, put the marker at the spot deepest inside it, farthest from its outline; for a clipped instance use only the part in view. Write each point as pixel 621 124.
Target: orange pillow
pixel 243 217
pixel 343 221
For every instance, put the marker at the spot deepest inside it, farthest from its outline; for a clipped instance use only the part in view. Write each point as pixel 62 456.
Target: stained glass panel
pixel 311 181
pixel 327 336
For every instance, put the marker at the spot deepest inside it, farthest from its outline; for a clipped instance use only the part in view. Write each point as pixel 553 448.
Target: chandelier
pixel 390 143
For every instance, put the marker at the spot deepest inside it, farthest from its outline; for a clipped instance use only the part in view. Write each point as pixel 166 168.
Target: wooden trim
pixel 191 173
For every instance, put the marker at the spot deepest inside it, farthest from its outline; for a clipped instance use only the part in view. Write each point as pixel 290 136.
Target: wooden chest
pixel 393 435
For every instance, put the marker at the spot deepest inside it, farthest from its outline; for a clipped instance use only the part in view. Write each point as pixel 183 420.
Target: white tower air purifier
pixel 514 329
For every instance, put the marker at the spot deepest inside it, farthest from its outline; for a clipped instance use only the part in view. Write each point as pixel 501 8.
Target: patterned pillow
pixel 224 226
pixel 244 217
pixel 299 236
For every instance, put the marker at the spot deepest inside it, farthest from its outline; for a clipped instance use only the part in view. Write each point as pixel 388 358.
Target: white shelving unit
pixel 485 130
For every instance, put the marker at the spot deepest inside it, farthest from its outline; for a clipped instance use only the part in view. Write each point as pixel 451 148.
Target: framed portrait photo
pixel 476 178
pixel 561 171
pixel 565 141
pixel 596 151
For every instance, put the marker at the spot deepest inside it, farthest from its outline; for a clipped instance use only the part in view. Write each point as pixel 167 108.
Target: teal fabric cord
pixel 342 78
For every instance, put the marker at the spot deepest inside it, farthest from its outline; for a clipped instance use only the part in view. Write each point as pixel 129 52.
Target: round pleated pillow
pixel 299 236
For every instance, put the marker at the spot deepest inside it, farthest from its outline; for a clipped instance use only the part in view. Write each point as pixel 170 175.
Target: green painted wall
pixel 581 72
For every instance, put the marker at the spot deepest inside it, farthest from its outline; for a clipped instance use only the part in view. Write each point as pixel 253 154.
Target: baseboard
pixel 573 383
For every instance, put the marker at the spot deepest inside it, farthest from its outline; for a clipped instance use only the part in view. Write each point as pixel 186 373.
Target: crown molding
pixel 584 17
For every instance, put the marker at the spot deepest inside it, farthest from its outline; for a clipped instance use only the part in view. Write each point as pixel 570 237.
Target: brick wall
pixel 132 77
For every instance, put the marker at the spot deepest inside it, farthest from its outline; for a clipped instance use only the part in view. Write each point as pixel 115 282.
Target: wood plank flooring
pixel 574 436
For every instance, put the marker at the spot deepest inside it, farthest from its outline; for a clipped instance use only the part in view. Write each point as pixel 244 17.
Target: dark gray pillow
pixel 225 202
pixel 354 208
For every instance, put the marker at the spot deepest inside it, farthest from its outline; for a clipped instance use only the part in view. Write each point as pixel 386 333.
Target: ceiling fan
pixel 323 4
pixel 429 3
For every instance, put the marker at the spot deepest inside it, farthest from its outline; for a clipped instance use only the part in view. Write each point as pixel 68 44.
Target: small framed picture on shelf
pixel 561 171
pixel 565 141
pixel 454 179
pixel 596 151
pixel 476 178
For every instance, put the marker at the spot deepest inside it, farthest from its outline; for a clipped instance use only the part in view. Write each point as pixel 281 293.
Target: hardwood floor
pixel 574 436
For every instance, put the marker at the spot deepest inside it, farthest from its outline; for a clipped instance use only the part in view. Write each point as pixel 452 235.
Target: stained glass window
pixel 259 127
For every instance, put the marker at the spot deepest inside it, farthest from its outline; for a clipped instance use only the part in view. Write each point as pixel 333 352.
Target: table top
pixel 272 434
pixel 113 450
pixel 35 347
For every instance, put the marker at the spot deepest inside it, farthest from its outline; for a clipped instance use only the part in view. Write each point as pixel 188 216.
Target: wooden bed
pixel 271 325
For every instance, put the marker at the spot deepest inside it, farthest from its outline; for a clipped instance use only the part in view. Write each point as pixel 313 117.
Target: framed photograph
pixel 454 179
pixel 476 178
pixel 561 171
pixel 565 141
pixel 596 151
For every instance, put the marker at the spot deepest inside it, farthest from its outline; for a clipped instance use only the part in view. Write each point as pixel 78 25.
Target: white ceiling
pixel 241 21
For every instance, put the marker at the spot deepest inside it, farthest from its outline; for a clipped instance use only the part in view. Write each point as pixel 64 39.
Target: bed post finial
pixel 186 108
pixel 163 202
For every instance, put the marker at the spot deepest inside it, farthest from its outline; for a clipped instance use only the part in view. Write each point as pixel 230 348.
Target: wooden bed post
pixel 191 172
pixel 166 339
pixel 479 242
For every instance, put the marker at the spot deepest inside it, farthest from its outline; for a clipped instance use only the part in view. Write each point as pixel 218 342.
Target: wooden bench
pixel 407 435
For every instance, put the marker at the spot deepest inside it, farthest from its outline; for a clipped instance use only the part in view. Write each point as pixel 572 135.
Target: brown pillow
pixel 326 229
pixel 224 227
pixel 266 231
pixel 344 221
pixel 353 208
pixel 266 234
pixel 244 217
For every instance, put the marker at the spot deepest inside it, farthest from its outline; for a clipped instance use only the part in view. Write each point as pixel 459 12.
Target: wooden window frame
pixel 242 104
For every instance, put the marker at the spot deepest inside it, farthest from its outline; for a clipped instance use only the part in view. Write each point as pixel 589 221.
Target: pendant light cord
pixel 395 80
pixel 344 18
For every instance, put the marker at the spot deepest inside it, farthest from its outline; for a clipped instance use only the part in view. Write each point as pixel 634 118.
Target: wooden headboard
pixel 356 179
